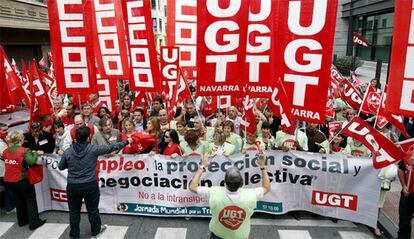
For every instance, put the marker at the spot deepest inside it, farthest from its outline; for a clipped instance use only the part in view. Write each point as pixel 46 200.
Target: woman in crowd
pixel 171 144
pixel 127 103
pixel 60 135
pixel 192 144
pixel 103 111
pixel 265 137
pixel 39 140
pixel 128 129
pixel 16 181
pixel 154 129
pixel 231 137
pixel 181 124
pixel 121 116
pixel 219 146
pixel 337 146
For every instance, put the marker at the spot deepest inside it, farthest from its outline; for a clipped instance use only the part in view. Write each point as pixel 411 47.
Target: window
pixel 154 24
pixel 160 21
pixel 153 4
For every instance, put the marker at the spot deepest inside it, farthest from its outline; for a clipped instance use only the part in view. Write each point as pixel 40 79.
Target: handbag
pixel 34 174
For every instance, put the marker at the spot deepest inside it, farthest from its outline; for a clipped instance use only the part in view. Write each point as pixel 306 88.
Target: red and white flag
pixel 372 101
pixel 6 102
pixel 359 40
pixel 401 84
pixel 406 145
pixel 12 82
pixel 249 118
pixel 40 99
pixel 169 62
pixel 351 95
pixel 355 81
pixel 182 33
pixel 261 48
pixel 384 117
pixel 43 62
pixel 106 33
pixel 221 47
pixel 72 55
pixel 384 150
pixel 108 92
pixel 330 112
pixel 333 126
pixel 144 67
pixel 280 106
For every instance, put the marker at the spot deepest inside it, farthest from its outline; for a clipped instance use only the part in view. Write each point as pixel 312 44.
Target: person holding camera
pixel 231 203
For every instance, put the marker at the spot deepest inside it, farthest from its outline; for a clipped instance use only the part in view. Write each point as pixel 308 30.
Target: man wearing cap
pixel 406 206
pixel 231 206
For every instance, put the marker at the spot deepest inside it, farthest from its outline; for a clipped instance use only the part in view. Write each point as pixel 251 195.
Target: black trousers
pixel 26 205
pixel 406 210
pixel 90 193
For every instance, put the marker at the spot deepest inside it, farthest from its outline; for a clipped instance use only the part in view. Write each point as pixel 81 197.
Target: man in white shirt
pixel 231 203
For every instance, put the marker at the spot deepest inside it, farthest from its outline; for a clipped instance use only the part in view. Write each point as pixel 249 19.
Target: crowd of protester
pixel 193 130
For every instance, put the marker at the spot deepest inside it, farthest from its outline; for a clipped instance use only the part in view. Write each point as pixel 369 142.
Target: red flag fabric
pixel 401 84
pixel 372 101
pixel 407 145
pixel 106 33
pixel 384 117
pixel 385 151
pixel 330 112
pixel 5 99
pixel 359 40
pixel 221 55
pixel 108 92
pixel 182 32
pixel 249 118
pixel 333 126
pixel 305 37
pixel 39 93
pixel 42 62
pixel 72 54
pixel 280 106
pixel 335 74
pixel 143 140
pixel 25 83
pixel 179 94
pixel 260 52
pixel 351 95
pixel 144 70
pixel 336 80
pixel 355 81
pixel 12 81
pixel 169 68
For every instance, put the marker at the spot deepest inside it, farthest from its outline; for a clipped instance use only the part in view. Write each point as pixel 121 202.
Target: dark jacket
pixel 46 142
pixel 80 160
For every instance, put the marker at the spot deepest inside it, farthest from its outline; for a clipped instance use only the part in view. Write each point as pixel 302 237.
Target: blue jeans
pixel 90 193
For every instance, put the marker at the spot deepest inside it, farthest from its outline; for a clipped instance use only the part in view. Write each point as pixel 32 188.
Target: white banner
pixel 329 185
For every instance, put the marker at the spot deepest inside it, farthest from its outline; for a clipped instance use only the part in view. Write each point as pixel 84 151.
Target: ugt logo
pixel 232 217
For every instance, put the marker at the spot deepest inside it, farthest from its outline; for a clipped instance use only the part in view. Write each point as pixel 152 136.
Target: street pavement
pixel 264 226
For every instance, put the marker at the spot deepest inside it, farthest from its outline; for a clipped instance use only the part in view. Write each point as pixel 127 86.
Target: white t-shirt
pixel 204 192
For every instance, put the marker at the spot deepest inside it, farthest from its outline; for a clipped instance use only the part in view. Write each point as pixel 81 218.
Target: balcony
pixel 24 14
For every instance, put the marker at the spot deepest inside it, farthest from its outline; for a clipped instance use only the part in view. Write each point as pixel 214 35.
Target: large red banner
pixel 221 46
pixel 74 66
pixel 169 68
pixel 108 93
pixel 260 51
pixel 144 70
pixel 182 32
pixel 107 34
pixel 401 84
pixel 385 151
pixel 305 39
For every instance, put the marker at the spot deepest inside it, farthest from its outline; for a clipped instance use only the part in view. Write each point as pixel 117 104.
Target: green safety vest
pixel 231 220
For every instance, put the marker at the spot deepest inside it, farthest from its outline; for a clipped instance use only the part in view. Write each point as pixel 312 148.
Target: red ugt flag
pixel 385 152
pixel 372 101
pixel 359 40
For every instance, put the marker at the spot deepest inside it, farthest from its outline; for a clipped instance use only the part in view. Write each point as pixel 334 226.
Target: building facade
pixel 373 20
pixel 24 29
pixel 159 21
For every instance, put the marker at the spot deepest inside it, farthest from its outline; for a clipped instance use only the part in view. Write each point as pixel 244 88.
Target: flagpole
pixel 363 100
pixel 382 96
